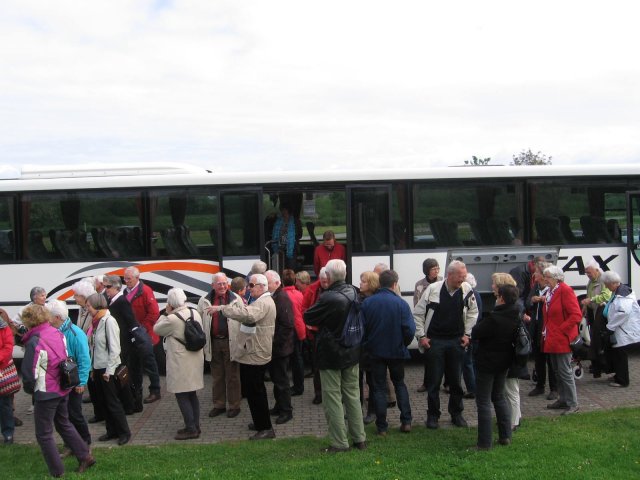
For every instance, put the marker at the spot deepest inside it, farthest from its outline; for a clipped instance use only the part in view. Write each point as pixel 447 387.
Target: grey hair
pixel 84 288
pixel 97 301
pixel 455 265
pixel 133 271
pixel 594 264
pixel 380 267
pixel 114 280
pixel 322 272
pixel 610 277
pixel 260 279
pixel 98 278
pixel 471 280
pixel 555 272
pixel 217 275
pixel 176 297
pixel 35 291
pixel 58 308
pixel 275 276
pixel 336 270
pixel 258 267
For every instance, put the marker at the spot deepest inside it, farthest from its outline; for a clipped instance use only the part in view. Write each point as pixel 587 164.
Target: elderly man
pixel 389 328
pixel 327 250
pixel 592 306
pixel 224 372
pixel 444 316
pixel 283 338
pixel 145 308
pixel 338 365
pixel 78 348
pixel 251 341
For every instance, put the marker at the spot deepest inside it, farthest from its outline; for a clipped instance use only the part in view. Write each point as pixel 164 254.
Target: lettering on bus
pixel 579 263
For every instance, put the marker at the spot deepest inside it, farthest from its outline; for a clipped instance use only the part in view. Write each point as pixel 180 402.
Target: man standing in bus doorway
pixel 225 373
pixel 444 316
pixel 327 250
pixel 145 308
pixel 592 306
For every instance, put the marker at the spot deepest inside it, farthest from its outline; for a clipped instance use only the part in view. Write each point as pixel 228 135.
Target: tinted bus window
pixel 7 229
pixel 240 223
pixel 184 223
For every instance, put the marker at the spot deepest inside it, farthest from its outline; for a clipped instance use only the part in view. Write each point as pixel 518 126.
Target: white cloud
pixel 290 83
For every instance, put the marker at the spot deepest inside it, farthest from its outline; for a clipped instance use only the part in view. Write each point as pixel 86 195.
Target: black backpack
pixel 353 330
pixel 193 334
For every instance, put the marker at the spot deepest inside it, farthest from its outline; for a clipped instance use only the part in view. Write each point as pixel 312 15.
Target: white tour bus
pixel 179 225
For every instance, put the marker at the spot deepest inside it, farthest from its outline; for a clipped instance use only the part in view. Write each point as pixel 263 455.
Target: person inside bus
pixel 327 250
pixel 287 231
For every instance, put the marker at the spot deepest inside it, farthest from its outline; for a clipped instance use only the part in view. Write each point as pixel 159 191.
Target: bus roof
pixel 164 174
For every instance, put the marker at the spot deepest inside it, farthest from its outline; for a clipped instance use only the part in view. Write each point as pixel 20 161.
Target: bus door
pixel 240 232
pixel 368 228
pixel 633 238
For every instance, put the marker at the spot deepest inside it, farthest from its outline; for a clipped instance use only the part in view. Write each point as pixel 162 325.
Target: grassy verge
pixel 592 445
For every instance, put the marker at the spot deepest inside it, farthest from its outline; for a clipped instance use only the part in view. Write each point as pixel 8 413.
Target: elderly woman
pixel 81 291
pixel 44 350
pixel 515 372
pixel 623 321
pixel 7 422
pixel 562 315
pixel 104 343
pixel 369 284
pixel 184 368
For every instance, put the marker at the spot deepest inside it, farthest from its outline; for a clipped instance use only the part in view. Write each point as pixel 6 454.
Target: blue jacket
pixel 78 348
pixel 388 324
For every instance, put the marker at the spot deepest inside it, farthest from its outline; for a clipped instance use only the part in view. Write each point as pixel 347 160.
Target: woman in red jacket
pixel 562 316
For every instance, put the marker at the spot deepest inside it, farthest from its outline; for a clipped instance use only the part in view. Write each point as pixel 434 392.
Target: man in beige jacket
pixel 250 346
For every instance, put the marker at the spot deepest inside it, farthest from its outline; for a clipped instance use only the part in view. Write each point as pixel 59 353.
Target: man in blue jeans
pixel 444 316
pixel 389 328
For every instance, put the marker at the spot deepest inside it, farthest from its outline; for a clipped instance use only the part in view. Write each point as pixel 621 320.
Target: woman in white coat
pixel 623 322
pixel 185 369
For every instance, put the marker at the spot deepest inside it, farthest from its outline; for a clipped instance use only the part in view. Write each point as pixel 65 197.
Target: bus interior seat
pixel 548 231
pixel 615 232
pixel 171 245
pixel 565 228
pixel 445 232
pixel 594 229
pixel 499 231
pixel 36 248
pixel 102 249
pixel 130 238
pixel 113 245
pixel 185 241
pixel 480 231
pixel 7 247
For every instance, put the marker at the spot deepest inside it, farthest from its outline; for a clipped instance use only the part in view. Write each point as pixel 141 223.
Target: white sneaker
pixel 30 410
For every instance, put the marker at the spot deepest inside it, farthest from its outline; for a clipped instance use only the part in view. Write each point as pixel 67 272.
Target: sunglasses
pixel 251 285
pixel 108 286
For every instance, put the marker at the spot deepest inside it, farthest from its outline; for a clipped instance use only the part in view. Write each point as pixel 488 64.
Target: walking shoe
pixel 459 421
pixel 381 434
pixel 432 422
pixel 616 384
pixel 422 388
pixel 183 430
pixel 284 418
pixel 30 410
pixel 216 411
pixel 95 419
pixel 233 412
pixel 553 395
pixel 17 422
pixel 274 412
pixel 405 427
pixel 186 435
pixel 557 405
pixel 536 391
pixel 391 404
pixel 571 410
pixel 317 400
pixel 469 395
pixel 369 419
pixel 86 464
pixel 504 441
pixel 124 439
pixel 8 440
pixel 360 445
pixel 106 437
pixel 153 397
pixel 252 427
pixel 296 392
pixel 263 435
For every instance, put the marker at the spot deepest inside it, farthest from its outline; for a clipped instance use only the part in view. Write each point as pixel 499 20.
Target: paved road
pixel 160 420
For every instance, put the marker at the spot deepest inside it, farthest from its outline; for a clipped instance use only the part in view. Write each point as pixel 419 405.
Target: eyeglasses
pixel 108 286
pixel 251 285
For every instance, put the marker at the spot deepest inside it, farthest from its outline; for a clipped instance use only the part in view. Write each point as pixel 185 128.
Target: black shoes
pixel 124 439
pixel 317 400
pixel 459 421
pixel 106 437
pixel 432 422
pixel 153 397
pixel 283 418
pixel 217 411
pixel 264 435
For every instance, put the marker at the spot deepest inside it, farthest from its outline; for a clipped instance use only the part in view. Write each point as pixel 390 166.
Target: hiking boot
pixel 432 422
pixel 459 421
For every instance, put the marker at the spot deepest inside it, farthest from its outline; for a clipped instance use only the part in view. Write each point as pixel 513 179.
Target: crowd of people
pixel 272 324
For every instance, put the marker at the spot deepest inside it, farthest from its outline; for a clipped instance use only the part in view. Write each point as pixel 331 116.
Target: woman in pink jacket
pixel 562 316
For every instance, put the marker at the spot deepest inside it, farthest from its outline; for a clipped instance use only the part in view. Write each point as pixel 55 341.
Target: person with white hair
pixel 444 317
pixel 78 348
pixel 562 316
pixel 82 290
pixel 623 324
pixel 592 305
pixel 338 365
pixel 184 367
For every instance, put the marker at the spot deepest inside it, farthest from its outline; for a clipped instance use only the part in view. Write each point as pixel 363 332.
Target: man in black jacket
pixel 282 349
pixel 338 365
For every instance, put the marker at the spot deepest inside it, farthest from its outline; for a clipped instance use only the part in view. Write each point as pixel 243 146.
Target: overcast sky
pixel 265 84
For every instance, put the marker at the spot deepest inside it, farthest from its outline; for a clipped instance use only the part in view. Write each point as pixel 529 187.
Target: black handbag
pixel 122 376
pixel 69 374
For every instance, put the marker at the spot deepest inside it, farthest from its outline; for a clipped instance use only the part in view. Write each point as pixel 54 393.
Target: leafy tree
pixel 477 161
pixel 530 158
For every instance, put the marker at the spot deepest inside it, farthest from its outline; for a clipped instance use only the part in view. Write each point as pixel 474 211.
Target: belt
pixel 220 337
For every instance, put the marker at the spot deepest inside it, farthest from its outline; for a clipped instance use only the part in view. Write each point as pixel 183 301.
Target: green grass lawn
pixel 591 445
